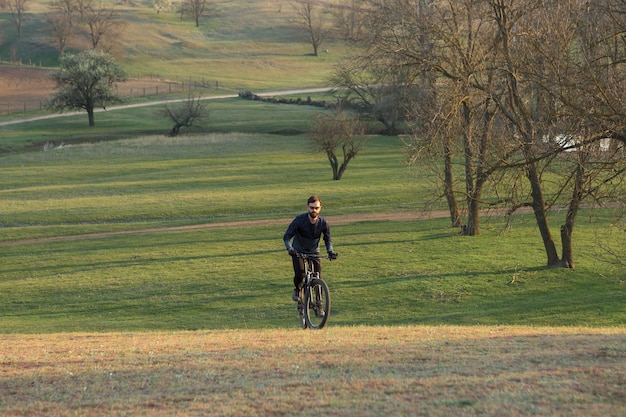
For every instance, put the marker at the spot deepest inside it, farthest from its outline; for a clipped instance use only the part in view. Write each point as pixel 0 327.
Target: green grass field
pixel 207 277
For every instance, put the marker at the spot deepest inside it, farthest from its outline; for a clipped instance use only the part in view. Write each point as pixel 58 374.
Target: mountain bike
pixel 314 304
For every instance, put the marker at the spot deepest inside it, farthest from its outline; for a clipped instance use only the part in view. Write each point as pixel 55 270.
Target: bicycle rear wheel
pixel 316 304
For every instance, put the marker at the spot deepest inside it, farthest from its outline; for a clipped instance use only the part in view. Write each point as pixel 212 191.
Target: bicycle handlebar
pixel 315 256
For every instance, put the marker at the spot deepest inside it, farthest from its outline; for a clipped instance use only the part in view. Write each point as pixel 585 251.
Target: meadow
pixel 146 275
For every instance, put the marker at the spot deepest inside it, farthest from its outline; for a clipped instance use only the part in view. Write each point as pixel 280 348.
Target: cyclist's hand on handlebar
pixel 292 252
pixel 332 255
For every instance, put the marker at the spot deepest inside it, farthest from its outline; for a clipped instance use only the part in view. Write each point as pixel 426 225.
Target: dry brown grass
pixel 23 88
pixel 433 371
pixel 27 88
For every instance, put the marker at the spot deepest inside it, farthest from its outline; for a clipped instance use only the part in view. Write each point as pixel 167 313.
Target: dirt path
pixel 341 219
pixel 156 103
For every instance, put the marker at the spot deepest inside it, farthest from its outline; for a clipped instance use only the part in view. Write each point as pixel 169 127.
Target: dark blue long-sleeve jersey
pixel 304 236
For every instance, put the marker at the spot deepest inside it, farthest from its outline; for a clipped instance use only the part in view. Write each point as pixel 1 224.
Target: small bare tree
pixel 162 5
pixel 338 130
pixel 102 23
pixel 312 22
pixel 348 21
pixel 17 10
pixel 197 8
pixel 182 9
pixel 61 21
pixel 187 113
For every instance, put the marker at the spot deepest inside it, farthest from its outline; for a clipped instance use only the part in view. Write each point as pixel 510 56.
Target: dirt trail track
pixel 156 103
pixel 334 220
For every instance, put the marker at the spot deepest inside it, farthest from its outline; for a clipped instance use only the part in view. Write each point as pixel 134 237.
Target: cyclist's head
pixel 314 199
pixel 314 205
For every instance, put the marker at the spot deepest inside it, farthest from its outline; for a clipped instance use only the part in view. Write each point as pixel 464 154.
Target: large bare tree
pixel 442 50
pixel 561 74
pixel 501 79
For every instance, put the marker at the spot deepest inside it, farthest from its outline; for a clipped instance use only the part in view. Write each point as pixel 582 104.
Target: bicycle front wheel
pixel 316 304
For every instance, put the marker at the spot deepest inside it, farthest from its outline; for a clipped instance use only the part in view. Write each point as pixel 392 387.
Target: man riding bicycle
pixel 303 236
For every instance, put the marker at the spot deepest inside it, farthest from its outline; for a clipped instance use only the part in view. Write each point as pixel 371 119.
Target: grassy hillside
pixel 146 275
pixel 241 44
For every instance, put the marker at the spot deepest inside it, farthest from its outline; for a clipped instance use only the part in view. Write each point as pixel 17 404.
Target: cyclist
pixel 303 236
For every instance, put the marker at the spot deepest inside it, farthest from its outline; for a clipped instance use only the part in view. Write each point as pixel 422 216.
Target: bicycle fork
pixel 314 299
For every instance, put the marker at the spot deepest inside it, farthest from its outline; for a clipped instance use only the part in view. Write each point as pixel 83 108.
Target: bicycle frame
pixel 315 296
pixel 309 268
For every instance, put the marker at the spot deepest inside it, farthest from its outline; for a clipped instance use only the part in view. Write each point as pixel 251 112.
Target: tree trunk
pixel 92 121
pixel 174 131
pixel 453 207
pixel 341 170
pixel 539 209
pixel 471 200
pixel 390 126
pixel 567 257
pixel 332 158
pixel 518 112
pixel 566 240
pixel 473 207
pixel 473 219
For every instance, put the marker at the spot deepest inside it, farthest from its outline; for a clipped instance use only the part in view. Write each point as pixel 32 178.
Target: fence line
pixel 146 85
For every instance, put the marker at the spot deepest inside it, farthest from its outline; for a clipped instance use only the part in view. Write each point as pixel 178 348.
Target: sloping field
pixel 239 45
pixel 354 371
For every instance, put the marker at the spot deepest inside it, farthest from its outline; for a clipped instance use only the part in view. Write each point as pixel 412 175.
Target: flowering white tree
pixel 86 81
